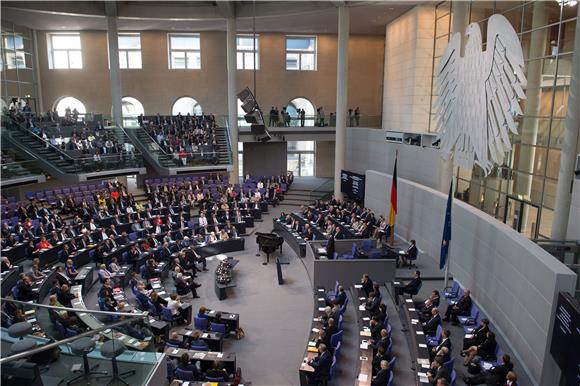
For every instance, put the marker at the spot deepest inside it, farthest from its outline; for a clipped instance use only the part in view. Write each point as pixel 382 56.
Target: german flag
pixel 393 211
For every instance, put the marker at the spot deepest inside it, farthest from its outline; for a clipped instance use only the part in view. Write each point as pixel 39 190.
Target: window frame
pixel 185 52
pixel 14 53
pixel 52 50
pixel 125 51
pixel 301 53
pixel 242 51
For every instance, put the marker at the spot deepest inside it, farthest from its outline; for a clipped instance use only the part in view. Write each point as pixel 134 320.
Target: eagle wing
pixel 447 74
pixel 504 83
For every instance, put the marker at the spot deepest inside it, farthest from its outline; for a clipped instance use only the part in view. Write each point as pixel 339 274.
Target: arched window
pixel 131 107
pixel 69 103
pixel 186 105
pixel 301 104
pixel 241 113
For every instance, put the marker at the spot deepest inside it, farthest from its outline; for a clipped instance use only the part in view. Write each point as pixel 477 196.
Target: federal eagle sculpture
pixel 479 94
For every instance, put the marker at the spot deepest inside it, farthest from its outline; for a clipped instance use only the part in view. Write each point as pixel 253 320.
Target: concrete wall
pixel 157 87
pixel 408 70
pixel 514 282
pixel 366 149
pixel 324 159
pixel 265 159
pixel 573 232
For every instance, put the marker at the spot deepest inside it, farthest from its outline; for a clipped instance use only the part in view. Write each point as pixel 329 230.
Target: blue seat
pixel 434 340
pixel 332 294
pixel 470 319
pixel 367 245
pixel 337 350
pixel 449 364
pixel 166 315
pixel 199 347
pixel 125 257
pixel 15 292
pixel 184 375
pixel 214 379
pixel 170 369
pixel 340 320
pixel 451 301
pixel 453 378
pixel 390 348
pixel 392 363
pixel 389 330
pixel 332 368
pixel 343 307
pixel 451 292
pixel 218 327
pixel 335 338
pixel 200 323
pixel 143 271
pixel 386 321
pixel 390 383
pixel 133 236
pixel 171 345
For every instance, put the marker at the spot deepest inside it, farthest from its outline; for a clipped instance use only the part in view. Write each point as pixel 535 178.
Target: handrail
pixel 43 140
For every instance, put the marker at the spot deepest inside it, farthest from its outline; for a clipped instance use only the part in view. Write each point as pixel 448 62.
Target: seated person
pixel 495 376
pixel 411 287
pixel 430 326
pixel 202 313
pixel 196 341
pixel 323 338
pixel 114 267
pixel 484 350
pixel 157 301
pixel 184 284
pixel 321 365
pixel 478 335
pixel 174 304
pixel 383 342
pixel 372 304
pixel 70 269
pixel 36 273
pixel 44 244
pixel 462 307
pixel 437 371
pixel 444 341
pixel 104 273
pixel 106 291
pixel 410 254
pixel 174 340
pixel 6 264
pixel 380 356
pixel 383 376
pixel 62 316
pixel 185 364
pixel 64 296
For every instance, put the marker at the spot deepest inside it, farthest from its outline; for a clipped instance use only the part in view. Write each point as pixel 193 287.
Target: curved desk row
pixel 93 323
pixel 311 351
pixel 293 239
pixel 205 358
pixel 363 317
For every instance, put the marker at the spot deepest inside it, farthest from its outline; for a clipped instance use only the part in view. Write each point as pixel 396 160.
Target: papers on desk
pixel 152 320
pixel 366 319
pixel 361 307
pixel 315 320
pixel 396 282
pixel 363 358
pixel 320 308
pixel 175 351
pixel 321 290
pixel 311 343
pixel 468 336
pixel 220 355
pixel 486 365
pixel 422 345
pixel 420 374
pixel 321 251
pixel 315 330
pixel 320 299
pixel 409 300
pixel 363 377
pixel 205 335
pixel 186 383
pixel 423 361
pixel 414 321
pixel 358 286
pixel 200 355
pixel 362 298
pixel 365 333
pixel 420 333
pixel 424 380
pixel 412 309
pixel 312 349
pixel 364 345
pixel 188 332
pixel 425 366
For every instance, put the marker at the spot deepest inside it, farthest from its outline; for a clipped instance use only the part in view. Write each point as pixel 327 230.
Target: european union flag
pixel 446 229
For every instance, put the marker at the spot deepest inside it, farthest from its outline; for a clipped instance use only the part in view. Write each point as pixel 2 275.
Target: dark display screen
pixel 565 346
pixel 352 185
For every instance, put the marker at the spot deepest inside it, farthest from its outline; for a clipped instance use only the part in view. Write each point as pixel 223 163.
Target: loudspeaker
pixel 258 129
pixel 248 101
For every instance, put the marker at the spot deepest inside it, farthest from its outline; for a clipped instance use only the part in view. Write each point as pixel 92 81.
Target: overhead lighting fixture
pixel 567 3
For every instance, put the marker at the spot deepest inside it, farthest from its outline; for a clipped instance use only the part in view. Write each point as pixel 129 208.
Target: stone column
pixel 113 36
pixel 232 95
pixel 341 94
pixel 569 146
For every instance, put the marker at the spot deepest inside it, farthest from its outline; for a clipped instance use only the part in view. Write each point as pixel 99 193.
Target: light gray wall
pixel 514 282
pixel 325 159
pixel 573 232
pixel 366 149
pixel 265 159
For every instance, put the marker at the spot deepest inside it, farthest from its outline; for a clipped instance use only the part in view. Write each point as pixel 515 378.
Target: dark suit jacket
pixel 430 326
pixel 330 248
pixel 441 372
pixel 382 378
pixel 464 304
pixel 341 298
pixel 414 284
pixel 322 364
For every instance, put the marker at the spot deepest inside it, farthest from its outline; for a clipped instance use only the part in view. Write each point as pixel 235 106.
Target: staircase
pixel 301 194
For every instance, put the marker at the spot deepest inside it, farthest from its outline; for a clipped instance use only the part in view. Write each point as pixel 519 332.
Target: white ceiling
pixel 287 17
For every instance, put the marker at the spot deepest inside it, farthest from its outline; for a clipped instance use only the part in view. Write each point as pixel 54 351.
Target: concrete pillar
pixel 341 94
pixel 571 138
pixel 459 20
pixel 37 80
pixel 528 130
pixel 113 37
pixel 232 94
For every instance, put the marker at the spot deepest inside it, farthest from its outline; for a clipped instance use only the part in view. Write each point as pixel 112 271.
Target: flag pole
pixel 446 282
pixel 394 222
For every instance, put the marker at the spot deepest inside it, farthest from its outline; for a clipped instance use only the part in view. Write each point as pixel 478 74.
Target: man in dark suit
pixel 382 377
pixel 330 247
pixel 430 326
pixel 495 376
pixel 411 288
pixel 339 234
pixel 410 254
pixel 445 341
pixel 321 365
pixel 341 296
pixel 437 371
pixel 462 307
pixel 367 284
pixel 478 335
pixel 373 303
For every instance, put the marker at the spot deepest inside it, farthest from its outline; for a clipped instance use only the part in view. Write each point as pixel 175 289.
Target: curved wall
pixel 514 282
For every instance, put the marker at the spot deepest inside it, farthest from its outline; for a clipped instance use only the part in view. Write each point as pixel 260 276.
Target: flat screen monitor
pixel 565 347
pixel 352 185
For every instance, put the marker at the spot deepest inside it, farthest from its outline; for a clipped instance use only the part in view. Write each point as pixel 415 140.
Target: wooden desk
pixel 228 318
pixel 366 355
pixel 293 239
pixel 214 340
pixel 85 278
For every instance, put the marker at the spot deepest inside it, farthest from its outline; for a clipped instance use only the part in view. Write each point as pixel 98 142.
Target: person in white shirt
pixel 174 305
pixel 212 238
pixel 202 220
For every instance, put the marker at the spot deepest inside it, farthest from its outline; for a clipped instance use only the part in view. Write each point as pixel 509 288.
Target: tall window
pixel 130 50
pixel 240 159
pixel 184 51
pixel 301 53
pixel 186 105
pixel 64 51
pixel 246 51
pixel 301 157
pixel 67 105
pixel 131 107
pixel 14 52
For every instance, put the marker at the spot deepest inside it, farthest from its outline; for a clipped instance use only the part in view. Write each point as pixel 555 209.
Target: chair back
pixel 438 332
pixel 166 314
pixel 218 327
pixel 449 364
pixel 340 320
pixel 367 245
pixel 337 350
pixel 390 383
pixel 167 344
pixel 200 323
pixel 389 330
pixel 199 347
pixel 170 369
pixel 335 338
pixel 418 288
pixel 392 364
pixel 386 321
pixel 184 375
pixel 133 236
pixel 353 249
pixel 390 348
pixel 214 379
pixel 453 377
pixel 332 368
pixel 143 271
pixel 343 307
